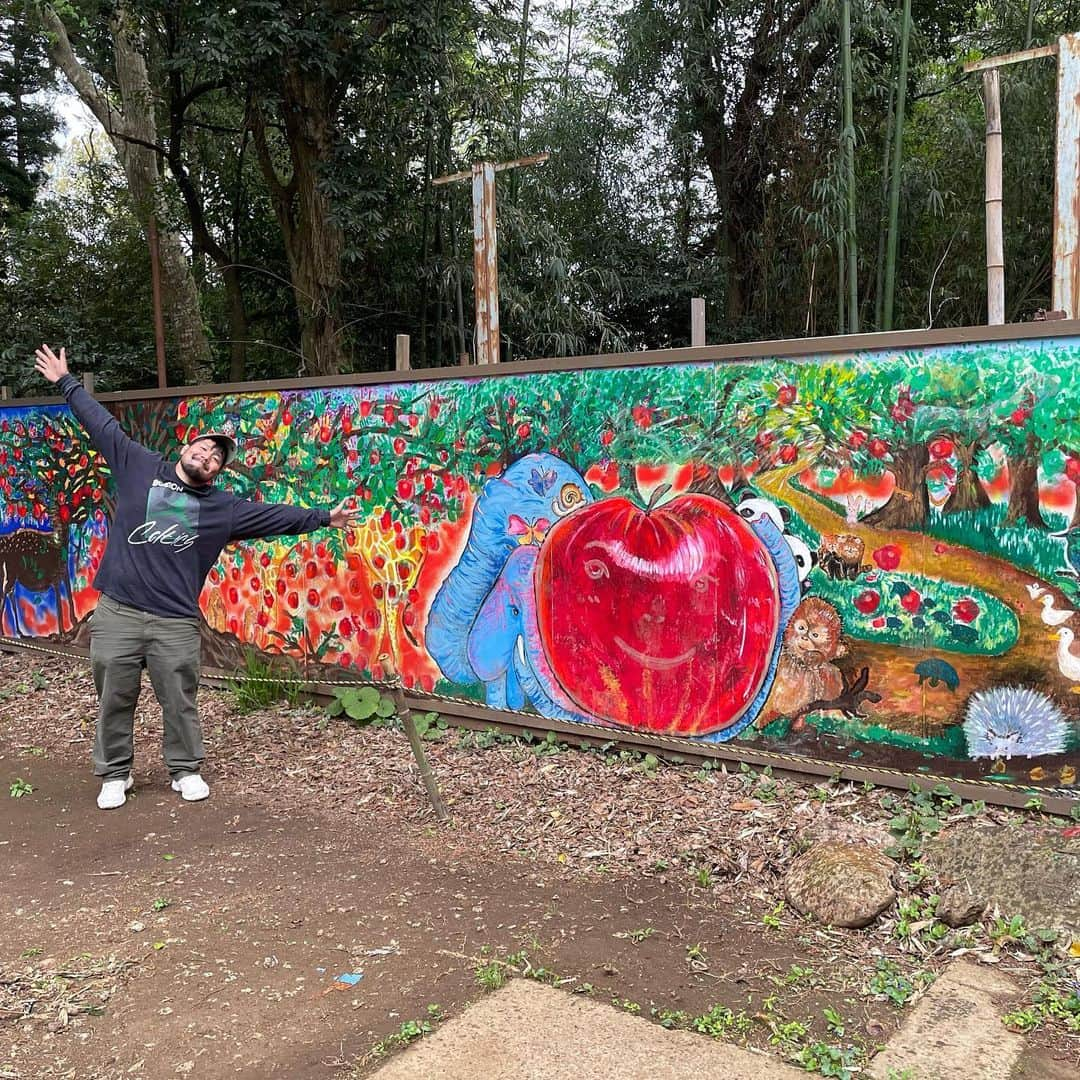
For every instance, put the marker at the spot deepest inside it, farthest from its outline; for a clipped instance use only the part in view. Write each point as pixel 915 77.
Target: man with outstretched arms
pixel 168 530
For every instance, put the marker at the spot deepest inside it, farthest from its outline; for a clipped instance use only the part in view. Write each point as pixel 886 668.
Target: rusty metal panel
pixel 485 264
pixel 1067 179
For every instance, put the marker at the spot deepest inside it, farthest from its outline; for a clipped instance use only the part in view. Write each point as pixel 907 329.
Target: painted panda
pixel 753 507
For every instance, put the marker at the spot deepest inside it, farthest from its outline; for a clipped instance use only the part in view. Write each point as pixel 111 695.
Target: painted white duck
pixel 1035 590
pixel 1053 616
pixel 1068 665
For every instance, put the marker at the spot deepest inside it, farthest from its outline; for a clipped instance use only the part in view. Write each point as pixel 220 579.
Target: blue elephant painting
pixel 513 512
pixel 505 649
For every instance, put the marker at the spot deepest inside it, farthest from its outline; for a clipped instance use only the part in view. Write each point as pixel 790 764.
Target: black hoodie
pixel 165 534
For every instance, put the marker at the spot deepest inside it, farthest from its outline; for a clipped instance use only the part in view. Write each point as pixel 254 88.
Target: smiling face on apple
pixel 661 620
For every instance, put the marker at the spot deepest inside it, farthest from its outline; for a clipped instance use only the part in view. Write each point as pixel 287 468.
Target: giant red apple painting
pixel 660 619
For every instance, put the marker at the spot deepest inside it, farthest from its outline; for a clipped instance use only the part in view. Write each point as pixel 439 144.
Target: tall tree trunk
pixel 459 303
pixel 848 142
pixel 238 323
pixel 314 242
pixel 519 96
pixel 133 132
pixel 425 247
pixel 909 505
pixel 894 175
pixel 968 493
pixel 1024 487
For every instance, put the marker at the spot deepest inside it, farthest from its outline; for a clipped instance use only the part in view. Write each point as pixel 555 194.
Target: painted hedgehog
pixel 1014 721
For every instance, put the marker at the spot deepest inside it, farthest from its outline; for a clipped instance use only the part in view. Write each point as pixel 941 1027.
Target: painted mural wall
pixel 871 557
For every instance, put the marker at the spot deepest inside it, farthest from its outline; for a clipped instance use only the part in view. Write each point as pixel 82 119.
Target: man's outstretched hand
pixel 51 366
pixel 344 516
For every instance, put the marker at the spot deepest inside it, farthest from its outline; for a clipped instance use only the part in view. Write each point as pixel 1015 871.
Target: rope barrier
pixel 679 747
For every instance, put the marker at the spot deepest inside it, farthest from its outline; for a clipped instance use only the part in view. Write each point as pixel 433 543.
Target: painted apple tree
pixel 54 483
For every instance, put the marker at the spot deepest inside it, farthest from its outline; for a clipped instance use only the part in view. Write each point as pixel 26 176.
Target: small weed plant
pixel 843 1062
pixel 260 684
pixel 19 787
pixel 491 976
pixel 890 983
pixel 409 1031
pixel 720 1022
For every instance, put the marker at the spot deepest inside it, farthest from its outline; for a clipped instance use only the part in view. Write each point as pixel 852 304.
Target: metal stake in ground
pixel 404 714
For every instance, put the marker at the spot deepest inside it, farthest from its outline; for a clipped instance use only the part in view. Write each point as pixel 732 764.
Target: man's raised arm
pixel 102 427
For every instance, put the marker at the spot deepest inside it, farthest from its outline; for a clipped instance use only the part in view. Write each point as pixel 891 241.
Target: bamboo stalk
pixel 995 244
pixel 894 175
pixel 848 140
pixel 883 214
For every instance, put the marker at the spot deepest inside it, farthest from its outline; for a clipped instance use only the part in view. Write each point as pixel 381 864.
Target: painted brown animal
pixel 841 556
pixel 805 671
pixel 34 559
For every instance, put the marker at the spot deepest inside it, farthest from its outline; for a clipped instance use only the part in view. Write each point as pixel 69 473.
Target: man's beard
pixel 191 474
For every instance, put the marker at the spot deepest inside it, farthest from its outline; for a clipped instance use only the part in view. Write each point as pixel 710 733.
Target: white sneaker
pixel 114 793
pixel 192 787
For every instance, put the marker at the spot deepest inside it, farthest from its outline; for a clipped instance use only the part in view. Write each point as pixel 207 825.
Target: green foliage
pixel 829 1060
pixel 1051 1005
pixel 720 1022
pixel 917 815
pixel 491 976
pixel 408 1031
pixel 891 984
pixel 20 787
pixel 363 704
pixel 771 919
pixel 261 683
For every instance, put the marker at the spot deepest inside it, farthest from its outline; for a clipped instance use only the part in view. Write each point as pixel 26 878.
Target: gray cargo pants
pixel 124 640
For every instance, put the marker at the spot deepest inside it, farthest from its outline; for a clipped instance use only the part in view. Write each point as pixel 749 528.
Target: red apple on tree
pixel 940 448
pixel 789 453
pixel 786 395
pixel 1072 468
pixel 878 448
pixel 661 619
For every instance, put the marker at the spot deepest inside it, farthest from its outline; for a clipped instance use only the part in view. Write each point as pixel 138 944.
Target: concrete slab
pixel 1027 869
pixel 531 1032
pixel 955 1031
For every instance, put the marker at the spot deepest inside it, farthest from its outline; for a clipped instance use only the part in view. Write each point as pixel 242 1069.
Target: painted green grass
pixel 950 743
pixel 1034 550
pixel 985 531
pixel 994 631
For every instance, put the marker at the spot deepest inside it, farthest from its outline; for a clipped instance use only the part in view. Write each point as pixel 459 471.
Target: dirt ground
pixel 167 939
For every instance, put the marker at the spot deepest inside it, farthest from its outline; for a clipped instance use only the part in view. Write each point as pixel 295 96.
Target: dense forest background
pixel 284 153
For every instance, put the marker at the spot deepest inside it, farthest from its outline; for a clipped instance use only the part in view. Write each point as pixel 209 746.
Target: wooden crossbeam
pixel 1005 59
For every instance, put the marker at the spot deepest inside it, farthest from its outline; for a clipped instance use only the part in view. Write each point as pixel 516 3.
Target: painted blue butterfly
pixel 542 480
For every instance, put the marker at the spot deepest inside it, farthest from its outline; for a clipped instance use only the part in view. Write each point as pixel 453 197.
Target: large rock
pixel 959 906
pixel 841 884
